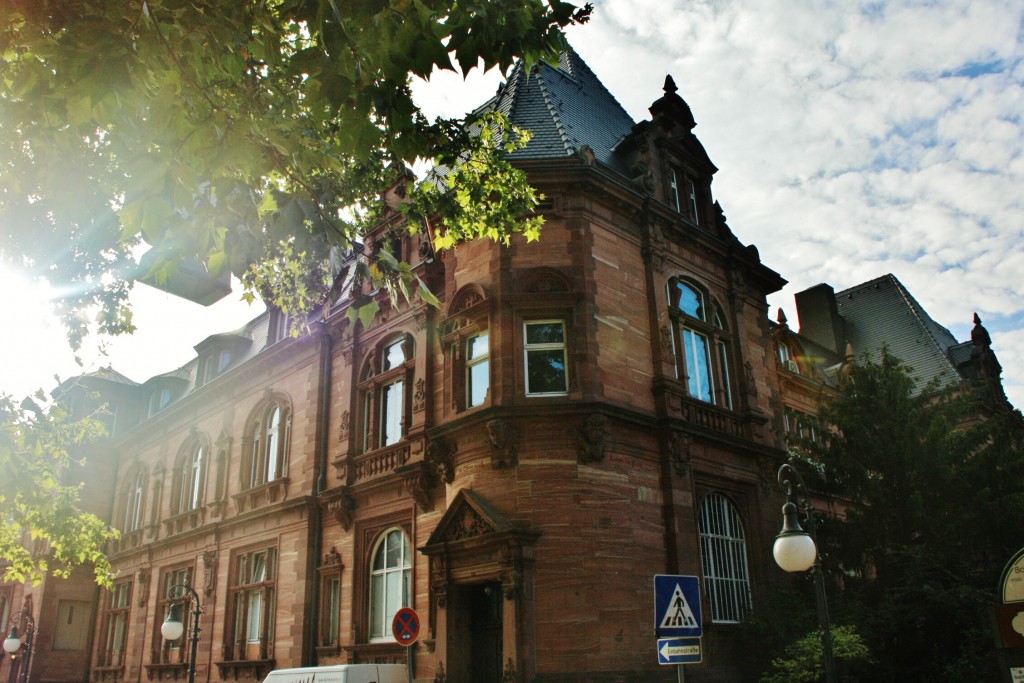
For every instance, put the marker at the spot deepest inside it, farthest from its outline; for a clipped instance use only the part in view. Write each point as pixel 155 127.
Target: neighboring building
pixel 837 328
pixel 580 414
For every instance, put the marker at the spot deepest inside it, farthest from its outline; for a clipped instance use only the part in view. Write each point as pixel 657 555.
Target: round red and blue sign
pixel 406 626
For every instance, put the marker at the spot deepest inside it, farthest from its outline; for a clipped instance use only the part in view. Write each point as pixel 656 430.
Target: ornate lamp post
pixel 13 643
pixel 795 551
pixel 173 628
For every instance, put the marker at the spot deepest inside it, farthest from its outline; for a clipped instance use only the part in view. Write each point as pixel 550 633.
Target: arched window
pixel 190 477
pixel 701 344
pixel 390 576
pixel 723 554
pixel 134 500
pixel 267 444
pixel 384 388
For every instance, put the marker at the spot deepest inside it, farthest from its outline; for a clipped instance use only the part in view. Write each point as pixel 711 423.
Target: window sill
pixel 251 668
pixel 167 672
pixel 263 494
pixel 185 521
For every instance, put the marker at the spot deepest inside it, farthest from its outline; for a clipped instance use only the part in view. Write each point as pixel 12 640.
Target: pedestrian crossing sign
pixel 677 606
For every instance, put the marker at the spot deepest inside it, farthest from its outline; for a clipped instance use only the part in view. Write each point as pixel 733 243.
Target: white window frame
pixel 550 346
pixel 382 608
pixel 481 360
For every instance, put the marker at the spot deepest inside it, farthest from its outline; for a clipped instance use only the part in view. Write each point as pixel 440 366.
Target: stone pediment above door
pixel 470 517
pixel 475 541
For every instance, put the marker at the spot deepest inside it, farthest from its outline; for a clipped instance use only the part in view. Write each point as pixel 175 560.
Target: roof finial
pixel 670 85
pixel 782 317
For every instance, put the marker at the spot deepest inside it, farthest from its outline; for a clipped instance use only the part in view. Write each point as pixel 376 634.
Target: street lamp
pixel 13 644
pixel 173 628
pixel 795 551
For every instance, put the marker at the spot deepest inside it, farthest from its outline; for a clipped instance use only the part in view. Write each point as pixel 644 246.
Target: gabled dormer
pixel 160 391
pixel 218 353
pixel 669 162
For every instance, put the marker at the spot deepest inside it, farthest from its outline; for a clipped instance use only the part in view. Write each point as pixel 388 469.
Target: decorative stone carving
pixel 468 524
pixel 209 572
pixel 680 452
pixel 655 248
pixel 332 558
pixel 666 344
pixel 343 428
pixel 439 457
pixel 343 508
pixel 142 579
pixel 439 580
pixel 592 438
pixel 511 573
pixel 501 441
pixel 510 672
pixel 439 676
pixel 419 396
pixel 748 373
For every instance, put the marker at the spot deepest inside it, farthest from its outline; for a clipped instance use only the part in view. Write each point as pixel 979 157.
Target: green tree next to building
pixel 926 507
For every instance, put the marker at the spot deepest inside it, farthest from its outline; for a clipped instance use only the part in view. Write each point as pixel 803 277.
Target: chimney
pixel 819 317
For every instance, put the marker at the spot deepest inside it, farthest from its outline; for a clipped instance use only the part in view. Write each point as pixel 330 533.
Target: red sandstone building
pixel 579 414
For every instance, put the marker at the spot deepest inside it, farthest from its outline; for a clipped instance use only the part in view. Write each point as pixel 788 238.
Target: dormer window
pixel 158 400
pixel 684 195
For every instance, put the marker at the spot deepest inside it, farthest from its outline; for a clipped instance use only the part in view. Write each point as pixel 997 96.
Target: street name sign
pixel 677 606
pixel 679 651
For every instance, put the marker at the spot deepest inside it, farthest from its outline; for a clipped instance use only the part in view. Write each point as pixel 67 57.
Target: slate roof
pixel 565 106
pixel 882 312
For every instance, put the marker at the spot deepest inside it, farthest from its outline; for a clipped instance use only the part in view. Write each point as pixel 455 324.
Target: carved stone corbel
pixel 439 457
pixel 680 452
pixel 343 508
pixel 592 438
pixel 501 437
pixel 419 485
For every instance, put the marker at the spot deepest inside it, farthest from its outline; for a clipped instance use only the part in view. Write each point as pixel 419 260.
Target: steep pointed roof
pixel 882 312
pixel 566 107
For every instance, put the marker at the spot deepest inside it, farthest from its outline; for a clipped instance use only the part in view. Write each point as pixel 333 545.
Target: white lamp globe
pixel 794 552
pixel 172 628
pixel 12 643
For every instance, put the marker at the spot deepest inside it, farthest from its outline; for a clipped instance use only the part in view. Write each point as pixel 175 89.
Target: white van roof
pixel 340 673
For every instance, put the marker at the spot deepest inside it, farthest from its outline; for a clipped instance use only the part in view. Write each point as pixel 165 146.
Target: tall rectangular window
pixel 115 624
pixel 392 398
pixel 251 598
pixel 545 351
pixel 171 651
pixel 478 369
pixel 698 365
pixel 332 610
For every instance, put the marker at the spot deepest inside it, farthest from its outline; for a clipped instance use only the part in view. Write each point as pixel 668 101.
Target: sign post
pixel 677 620
pixel 405 627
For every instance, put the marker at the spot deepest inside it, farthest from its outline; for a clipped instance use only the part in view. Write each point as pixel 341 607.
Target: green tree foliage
pixel 44 530
pixel 927 507
pixel 251 136
pixel 801 662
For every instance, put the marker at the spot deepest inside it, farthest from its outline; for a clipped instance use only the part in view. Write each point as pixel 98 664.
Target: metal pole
pixel 680 673
pixel 823 624
pixel 408 666
pixel 29 645
pixel 194 630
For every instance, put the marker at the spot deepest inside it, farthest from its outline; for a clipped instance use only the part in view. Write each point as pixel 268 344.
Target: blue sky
pixel 854 140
